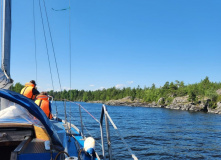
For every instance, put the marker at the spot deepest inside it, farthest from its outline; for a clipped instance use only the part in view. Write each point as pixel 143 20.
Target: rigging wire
pixel 49 28
pixel 36 69
pixel 1 21
pixel 70 50
pixel 70 40
pixel 46 45
pixel 91 135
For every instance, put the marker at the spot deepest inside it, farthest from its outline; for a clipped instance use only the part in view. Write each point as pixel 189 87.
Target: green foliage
pixel 192 96
pixel 212 104
pixel 85 97
pixel 211 94
pixel 17 87
pixel 169 100
pixel 204 89
pixel 218 98
pixel 162 102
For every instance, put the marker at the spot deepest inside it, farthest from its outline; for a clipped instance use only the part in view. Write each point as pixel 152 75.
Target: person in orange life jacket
pixel 43 102
pixel 30 90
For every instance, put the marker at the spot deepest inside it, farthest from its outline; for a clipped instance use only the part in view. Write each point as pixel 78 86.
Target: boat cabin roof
pixel 35 111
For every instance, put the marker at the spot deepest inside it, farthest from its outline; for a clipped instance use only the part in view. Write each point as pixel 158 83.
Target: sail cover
pixel 35 111
pixel 5 82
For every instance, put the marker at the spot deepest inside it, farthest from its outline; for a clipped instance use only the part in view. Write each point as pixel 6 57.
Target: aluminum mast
pixel 5 80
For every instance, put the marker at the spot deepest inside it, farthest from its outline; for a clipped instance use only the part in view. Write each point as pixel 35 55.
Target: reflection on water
pixel 155 133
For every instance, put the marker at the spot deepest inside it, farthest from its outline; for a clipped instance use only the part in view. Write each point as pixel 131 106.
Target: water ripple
pixel 157 133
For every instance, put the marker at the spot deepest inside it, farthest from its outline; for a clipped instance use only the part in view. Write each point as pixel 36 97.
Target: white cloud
pixel 57 89
pixel 66 88
pixel 48 89
pixel 119 86
pixel 92 85
pixel 102 88
pixel 130 82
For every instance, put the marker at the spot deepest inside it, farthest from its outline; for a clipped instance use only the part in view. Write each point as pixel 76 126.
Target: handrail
pixel 52 99
pixel 115 127
pixel 70 124
pixel 88 132
pixel 104 113
pixel 107 132
pixel 102 134
pixel 65 113
pixel 82 131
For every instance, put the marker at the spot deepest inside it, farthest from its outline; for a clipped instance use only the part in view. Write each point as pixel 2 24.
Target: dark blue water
pixel 155 133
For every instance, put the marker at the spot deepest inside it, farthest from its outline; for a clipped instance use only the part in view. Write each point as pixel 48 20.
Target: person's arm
pixel 50 107
pixel 35 91
pixel 50 110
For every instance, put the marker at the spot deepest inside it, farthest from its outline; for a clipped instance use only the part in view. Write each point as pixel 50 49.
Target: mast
pixel 6 37
pixel 5 80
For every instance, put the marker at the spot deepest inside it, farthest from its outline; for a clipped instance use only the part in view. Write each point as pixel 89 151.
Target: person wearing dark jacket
pixel 30 90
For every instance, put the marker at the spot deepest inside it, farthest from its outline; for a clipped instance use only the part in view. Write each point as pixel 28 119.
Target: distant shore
pixel 179 103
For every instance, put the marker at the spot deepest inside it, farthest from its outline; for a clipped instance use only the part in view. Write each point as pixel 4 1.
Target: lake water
pixel 154 133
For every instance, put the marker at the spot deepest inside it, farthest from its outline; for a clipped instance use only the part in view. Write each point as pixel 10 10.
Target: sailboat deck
pixel 35 146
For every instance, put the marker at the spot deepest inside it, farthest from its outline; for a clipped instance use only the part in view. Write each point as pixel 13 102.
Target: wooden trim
pixel 20 125
pixel 41 133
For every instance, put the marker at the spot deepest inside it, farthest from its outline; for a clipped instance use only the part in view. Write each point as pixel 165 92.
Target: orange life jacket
pixel 27 90
pixel 43 102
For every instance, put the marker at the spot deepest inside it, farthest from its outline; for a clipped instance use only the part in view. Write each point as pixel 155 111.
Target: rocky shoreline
pixel 179 103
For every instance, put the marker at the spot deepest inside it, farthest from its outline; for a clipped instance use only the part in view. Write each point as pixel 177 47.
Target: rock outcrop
pixel 218 91
pixel 217 110
pixel 178 103
pixel 177 100
pixel 126 102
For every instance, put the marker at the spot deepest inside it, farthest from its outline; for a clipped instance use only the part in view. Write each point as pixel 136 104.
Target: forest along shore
pixel 178 103
pixel 203 96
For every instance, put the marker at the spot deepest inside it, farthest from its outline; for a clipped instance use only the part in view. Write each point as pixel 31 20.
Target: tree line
pixel 196 92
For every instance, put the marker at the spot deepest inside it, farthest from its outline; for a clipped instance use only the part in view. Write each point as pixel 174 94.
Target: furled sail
pixel 5 80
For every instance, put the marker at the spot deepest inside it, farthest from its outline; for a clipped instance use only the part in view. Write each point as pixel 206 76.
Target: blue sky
pixel 122 43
